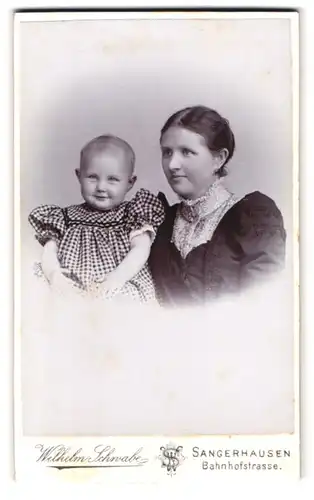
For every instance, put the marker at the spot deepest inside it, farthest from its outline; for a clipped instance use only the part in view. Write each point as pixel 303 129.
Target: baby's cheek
pixel 121 192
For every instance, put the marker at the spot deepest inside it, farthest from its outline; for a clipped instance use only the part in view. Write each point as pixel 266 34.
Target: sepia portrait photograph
pixel 156 222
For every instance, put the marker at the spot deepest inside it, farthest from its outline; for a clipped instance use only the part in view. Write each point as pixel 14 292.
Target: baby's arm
pixel 50 263
pixel 55 274
pixel 132 263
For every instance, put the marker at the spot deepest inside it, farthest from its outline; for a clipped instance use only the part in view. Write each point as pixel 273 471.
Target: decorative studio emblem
pixel 171 457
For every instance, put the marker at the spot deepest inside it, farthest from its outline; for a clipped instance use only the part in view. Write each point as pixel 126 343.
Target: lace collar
pixel 216 195
pixel 197 220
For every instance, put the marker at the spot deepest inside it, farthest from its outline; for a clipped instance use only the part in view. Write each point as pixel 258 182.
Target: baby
pixel 104 243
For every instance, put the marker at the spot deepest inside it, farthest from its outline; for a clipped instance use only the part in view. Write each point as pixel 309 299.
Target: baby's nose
pixel 101 185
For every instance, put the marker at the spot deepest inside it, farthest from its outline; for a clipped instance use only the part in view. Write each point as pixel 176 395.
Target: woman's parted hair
pixel 210 125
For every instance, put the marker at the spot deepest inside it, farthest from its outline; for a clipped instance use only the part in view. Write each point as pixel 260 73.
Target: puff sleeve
pixel 145 213
pixel 48 222
pixel 261 234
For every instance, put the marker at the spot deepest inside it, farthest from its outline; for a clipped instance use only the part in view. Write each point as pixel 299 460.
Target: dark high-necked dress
pixel 247 245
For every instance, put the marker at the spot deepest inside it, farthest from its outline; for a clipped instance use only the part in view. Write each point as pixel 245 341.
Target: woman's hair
pixel 210 125
pixel 104 142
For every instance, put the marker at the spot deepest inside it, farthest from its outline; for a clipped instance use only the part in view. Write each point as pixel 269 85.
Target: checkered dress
pixel 92 243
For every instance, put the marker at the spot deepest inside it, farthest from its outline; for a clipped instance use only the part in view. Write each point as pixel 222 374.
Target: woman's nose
pixel 174 163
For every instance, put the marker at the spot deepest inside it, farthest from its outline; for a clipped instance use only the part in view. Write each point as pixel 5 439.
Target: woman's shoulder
pixel 169 209
pixel 256 201
pixel 255 210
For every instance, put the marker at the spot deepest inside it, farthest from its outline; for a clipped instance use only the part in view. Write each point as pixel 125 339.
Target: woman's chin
pixel 184 194
pixel 181 191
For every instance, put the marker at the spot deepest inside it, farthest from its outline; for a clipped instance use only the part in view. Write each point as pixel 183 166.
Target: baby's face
pixel 106 178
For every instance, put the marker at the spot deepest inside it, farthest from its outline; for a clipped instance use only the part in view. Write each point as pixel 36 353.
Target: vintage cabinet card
pixel 156 245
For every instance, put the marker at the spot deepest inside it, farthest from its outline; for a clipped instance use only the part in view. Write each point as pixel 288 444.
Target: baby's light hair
pixel 101 143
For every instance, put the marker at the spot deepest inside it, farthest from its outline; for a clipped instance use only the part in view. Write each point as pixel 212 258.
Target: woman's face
pixel 187 162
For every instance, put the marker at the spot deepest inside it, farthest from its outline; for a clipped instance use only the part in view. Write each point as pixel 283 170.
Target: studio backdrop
pixel 80 79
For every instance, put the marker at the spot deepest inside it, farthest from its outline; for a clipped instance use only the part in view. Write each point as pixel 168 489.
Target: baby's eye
pixel 166 152
pixel 113 179
pixel 187 152
pixel 92 176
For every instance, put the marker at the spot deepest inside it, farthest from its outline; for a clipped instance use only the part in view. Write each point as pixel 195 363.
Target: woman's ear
pixel 132 181
pixel 222 156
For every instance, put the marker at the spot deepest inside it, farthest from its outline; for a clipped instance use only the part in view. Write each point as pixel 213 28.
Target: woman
pixel 211 243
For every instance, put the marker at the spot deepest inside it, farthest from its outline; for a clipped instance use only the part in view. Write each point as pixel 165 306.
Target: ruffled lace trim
pixel 197 220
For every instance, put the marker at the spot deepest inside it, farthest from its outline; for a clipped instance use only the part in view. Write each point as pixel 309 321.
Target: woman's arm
pixel 263 240
pixel 265 261
pixel 132 263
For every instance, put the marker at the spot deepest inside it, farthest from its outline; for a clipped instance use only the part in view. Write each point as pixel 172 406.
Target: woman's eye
pixel 166 153
pixel 187 152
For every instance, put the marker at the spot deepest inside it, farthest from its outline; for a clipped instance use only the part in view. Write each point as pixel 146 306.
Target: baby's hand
pixel 107 288
pixel 112 282
pixel 60 283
